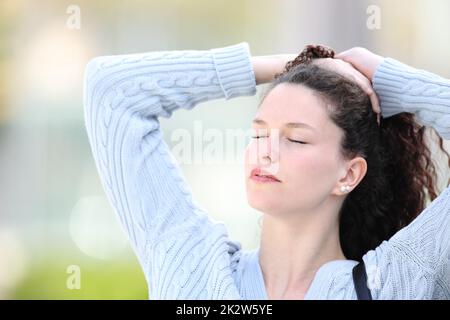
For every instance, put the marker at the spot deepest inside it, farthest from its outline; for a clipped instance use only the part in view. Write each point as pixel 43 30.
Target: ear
pixel 355 170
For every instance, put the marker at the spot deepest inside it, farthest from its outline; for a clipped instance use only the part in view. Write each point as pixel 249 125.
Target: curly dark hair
pixel 400 174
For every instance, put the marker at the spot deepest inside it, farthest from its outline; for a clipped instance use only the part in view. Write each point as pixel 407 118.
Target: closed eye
pixel 295 141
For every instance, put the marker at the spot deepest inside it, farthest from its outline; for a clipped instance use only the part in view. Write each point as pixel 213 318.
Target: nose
pixel 267 149
pixel 264 151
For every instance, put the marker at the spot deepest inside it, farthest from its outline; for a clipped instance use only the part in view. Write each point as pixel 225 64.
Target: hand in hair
pixel 324 57
pixel 266 67
pixel 361 59
pixel 347 70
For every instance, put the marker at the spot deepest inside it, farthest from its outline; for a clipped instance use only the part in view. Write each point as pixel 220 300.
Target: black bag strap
pixel 360 282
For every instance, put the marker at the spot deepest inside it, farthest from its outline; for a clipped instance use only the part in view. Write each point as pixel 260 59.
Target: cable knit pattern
pixel 402 88
pixel 183 252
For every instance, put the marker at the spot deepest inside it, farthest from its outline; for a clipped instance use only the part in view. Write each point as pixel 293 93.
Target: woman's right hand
pixel 354 64
pixel 266 67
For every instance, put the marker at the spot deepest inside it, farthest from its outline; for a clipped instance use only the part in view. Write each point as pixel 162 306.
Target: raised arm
pixel 422 249
pixel 183 253
pixel 402 88
pixel 415 262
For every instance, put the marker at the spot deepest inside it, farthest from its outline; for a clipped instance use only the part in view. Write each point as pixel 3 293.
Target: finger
pixel 375 102
pixel 366 85
pixel 343 53
pixel 368 89
pixel 363 82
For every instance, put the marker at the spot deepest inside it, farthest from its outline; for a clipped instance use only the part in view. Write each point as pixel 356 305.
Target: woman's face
pixel 309 172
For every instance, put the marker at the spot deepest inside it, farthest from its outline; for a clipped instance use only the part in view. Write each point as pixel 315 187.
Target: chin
pixel 262 200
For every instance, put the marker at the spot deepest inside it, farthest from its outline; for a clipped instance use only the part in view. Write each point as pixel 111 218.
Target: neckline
pixel 318 275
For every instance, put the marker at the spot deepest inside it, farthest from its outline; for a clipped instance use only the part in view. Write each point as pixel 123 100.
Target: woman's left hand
pixel 347 70
pixel 362 59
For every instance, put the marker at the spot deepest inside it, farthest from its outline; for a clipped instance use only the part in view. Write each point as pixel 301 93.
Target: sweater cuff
pixel 390 82
pixel 235 70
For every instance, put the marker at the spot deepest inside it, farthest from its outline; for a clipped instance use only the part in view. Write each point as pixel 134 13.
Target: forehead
pixel 293 103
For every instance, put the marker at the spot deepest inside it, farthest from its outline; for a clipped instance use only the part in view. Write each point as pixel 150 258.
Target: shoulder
pixel 333 281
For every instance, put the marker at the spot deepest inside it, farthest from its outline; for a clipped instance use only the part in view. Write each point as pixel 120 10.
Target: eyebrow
pixel 288 125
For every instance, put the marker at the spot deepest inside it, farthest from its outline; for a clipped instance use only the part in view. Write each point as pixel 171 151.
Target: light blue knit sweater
pixel 187 255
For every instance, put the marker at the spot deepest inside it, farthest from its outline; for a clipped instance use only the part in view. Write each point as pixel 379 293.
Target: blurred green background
pixel 53 212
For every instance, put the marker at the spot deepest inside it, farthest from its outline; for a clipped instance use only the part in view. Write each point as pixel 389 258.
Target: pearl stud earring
pixel 345 188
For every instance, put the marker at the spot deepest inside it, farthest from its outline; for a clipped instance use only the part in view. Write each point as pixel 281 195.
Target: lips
pixel 260 175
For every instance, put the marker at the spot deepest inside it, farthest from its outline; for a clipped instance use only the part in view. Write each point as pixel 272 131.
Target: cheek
pixel 312 169
pixel 247 159
pixel 250 157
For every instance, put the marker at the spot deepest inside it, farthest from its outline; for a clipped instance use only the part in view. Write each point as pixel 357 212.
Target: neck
pixel 294 247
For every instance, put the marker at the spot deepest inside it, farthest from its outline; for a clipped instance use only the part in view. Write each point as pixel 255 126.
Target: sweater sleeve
pixel 402 88
pixel 184 253
pixel 415 262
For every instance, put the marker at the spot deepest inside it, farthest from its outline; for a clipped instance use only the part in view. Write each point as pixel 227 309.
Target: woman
pixel 344 184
